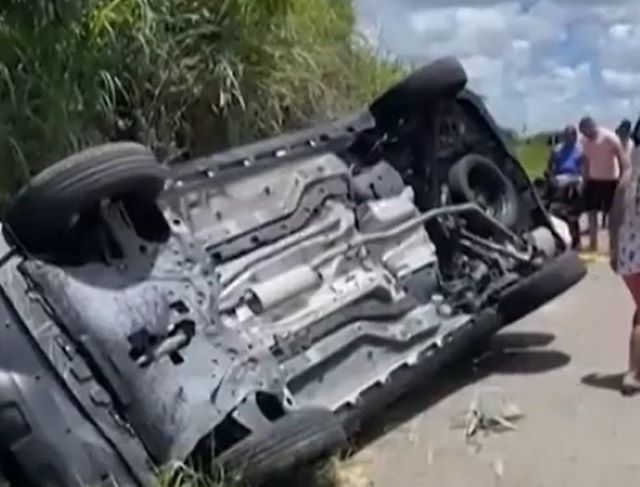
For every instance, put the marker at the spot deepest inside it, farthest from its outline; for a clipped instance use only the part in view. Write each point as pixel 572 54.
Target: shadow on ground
pixel 610 382
pixel 509 352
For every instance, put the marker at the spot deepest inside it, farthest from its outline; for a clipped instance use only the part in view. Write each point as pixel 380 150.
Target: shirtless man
pixel 603 161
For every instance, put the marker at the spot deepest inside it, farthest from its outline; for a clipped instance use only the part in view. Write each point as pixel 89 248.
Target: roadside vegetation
pixel 183 76
pixel 179 75
pixel 533 153
pixel 332 473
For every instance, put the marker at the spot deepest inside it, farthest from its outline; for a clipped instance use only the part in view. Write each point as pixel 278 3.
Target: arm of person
pixel 624 163
pixel 584 167
pixel 584 162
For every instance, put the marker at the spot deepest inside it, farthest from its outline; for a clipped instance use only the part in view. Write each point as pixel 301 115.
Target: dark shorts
pixel 598 195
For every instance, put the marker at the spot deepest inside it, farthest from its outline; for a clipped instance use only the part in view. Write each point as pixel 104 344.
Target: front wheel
pixel 296 438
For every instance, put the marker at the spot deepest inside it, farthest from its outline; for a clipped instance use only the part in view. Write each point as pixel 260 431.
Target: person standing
pixel 564 176
pixel 566 157
pixel 624 241
pixel 604 159
pixel 624 135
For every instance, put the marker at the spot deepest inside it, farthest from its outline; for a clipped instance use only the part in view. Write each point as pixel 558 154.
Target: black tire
pixel 475 178
pixel 43 210
pixel 443 77
pixel 296 438
pixel 404 379
pixel 541 185
pixel 556 277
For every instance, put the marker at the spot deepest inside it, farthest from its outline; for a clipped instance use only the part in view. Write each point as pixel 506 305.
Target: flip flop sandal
pixel 630 384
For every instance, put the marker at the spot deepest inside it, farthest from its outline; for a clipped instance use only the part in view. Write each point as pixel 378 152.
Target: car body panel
pixel 300 269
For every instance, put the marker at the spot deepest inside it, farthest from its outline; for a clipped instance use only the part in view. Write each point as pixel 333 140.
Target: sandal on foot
pixel 630 384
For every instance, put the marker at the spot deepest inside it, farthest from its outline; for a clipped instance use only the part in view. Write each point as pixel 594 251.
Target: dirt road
pixel 578 430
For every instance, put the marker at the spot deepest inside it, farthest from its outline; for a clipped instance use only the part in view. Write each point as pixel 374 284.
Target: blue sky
pixel 539 63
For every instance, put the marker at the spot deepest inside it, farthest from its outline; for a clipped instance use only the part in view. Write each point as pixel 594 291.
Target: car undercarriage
pixel 266 301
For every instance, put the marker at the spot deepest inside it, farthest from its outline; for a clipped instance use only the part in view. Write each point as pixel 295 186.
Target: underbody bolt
pixel 445 310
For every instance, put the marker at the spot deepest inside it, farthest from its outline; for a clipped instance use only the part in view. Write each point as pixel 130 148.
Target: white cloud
pixel 620 32
pixel 541 64
pixel 622 82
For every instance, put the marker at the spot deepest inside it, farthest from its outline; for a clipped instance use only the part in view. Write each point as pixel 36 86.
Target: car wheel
pixel 476 179
pixel 557 276
pixel 443 77
pixel 47 207
pixel 296 438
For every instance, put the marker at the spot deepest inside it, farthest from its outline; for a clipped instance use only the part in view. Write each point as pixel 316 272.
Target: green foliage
pixel 174 74
pixel 179 475
pixel 332 473
pixel 533 153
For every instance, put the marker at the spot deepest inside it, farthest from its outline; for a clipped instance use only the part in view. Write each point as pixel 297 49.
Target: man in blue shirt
pixel 564 175
pixel 566 158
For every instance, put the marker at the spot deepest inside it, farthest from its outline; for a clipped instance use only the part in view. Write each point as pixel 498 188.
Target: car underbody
pixel 325 270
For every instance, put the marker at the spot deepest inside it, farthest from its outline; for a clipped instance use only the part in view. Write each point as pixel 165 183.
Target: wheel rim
pixel 490 197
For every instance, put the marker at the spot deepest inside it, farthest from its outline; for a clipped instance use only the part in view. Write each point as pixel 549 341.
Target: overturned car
pixel 253 308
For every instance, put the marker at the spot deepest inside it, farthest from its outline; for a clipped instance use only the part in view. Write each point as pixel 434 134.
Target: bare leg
pixel 593 231
pixel 631 381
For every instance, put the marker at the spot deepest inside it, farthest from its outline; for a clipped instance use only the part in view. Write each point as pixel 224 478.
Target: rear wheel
pixel 476 179
pixel 444 77
pixel 44 211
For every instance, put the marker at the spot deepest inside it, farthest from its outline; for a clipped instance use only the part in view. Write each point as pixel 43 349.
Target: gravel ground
pixel 561 366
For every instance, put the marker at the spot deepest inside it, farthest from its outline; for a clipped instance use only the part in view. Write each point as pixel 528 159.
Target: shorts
pixel 565 195
pixel 598 195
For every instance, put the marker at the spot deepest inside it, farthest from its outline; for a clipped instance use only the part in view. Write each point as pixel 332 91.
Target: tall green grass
pixel 534 155
pixel 198 75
